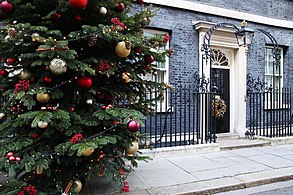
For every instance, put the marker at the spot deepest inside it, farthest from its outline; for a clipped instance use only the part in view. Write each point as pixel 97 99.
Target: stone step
pixel 231 144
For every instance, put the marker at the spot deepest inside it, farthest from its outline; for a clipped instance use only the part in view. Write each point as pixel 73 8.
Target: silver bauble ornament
pixel 58 66
pixel 42 124
pixel 103 10
pixel 89 101
pixel 2 115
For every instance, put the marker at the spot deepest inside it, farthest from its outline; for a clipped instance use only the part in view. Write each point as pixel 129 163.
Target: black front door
pixel 220 81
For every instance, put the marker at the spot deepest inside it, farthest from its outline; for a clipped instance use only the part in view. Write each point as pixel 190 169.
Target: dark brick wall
pixel 184 39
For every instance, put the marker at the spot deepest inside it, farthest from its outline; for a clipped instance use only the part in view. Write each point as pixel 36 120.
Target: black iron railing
pixel 269 111
pixel 182 117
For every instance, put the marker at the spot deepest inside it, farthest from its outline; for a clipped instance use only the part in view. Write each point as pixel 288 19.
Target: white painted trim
pixel 208 9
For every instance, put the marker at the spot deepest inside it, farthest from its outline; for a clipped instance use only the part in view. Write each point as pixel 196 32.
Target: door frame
pixel 224 37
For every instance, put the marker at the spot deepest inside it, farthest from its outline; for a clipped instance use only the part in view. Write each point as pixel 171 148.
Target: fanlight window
pixel 218 58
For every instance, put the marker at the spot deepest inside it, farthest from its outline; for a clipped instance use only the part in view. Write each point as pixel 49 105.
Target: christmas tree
pixel 73 91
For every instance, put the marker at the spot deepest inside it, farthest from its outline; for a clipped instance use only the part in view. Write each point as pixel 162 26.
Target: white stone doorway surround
pixel 225 40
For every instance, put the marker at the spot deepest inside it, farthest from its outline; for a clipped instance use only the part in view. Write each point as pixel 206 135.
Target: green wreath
pixel 219 107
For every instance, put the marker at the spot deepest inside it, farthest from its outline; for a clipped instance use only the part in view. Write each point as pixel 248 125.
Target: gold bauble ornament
pixel 77 186
pixel 43 98
pixel 88 152
pixel 126 77
pixel 25 75
pixel 101 171
pixel 132 149
pixel 123 49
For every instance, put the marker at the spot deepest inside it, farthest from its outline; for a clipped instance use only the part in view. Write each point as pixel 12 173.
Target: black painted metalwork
pixel 177 121
pixel 269 107
pixel 267 116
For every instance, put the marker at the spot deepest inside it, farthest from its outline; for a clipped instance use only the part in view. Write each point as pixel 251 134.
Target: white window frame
pixel 276 104
pixel 161 105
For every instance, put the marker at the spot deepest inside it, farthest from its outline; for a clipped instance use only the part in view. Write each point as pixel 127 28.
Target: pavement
pixel 206 169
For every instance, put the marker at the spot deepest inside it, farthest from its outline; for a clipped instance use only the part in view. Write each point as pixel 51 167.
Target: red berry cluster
pixel 107 107
pixel 31 190
pixel 76 138
pixel 103 67
pixel 117 24
pixel 11 157
pixel 22 85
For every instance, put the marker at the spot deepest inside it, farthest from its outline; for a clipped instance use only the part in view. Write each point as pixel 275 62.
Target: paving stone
pixel 215 155
pixel 193 163
pixel 275 150
pixel 272 161
pixel 214 173
pixel 241 164
pixel 165 175
pixel 247 152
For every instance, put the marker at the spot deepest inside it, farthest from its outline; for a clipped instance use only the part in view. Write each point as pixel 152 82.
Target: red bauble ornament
pixel 138 50
pixel 133 126
pixel 78 4
pixel 149 59
pixel 9 154
pixel 6 8
pixel 85 82
pixel 77 18
pixel 34 135
pixel 18 159
pixel 140 1
pixel 3 73
pixel 48 79
pixel 120 7
pixel 71 109
pixel 56 16
pixel 11 158
pixel 10 60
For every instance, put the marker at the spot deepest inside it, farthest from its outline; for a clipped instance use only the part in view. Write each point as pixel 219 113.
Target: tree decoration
pixel 88 151
pixel 11 33
pixel 133 126
pixel 149 59
pixel 103 66
pixel 76 138
pixel 70 85
pixel 25 75
pixel 123 49
pixel 77 18
pixel 48 79
pixel 89 101
pixel 92 40
pixel 3 73
pixel 10 60
pixel 43 98
pixel 42 124
pixel 58 66
pixel 2 115
pixel 6 8
pixel 77 186
pixel 126 77
pixel 103 10
pixel 22 85
pixel 78 4
pixel 119 7
pixel 132 149
pixel 140 1
pixel 85 82
pixel 35 37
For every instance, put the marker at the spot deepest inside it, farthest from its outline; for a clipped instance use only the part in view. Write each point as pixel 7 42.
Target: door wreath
pixel 219 107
